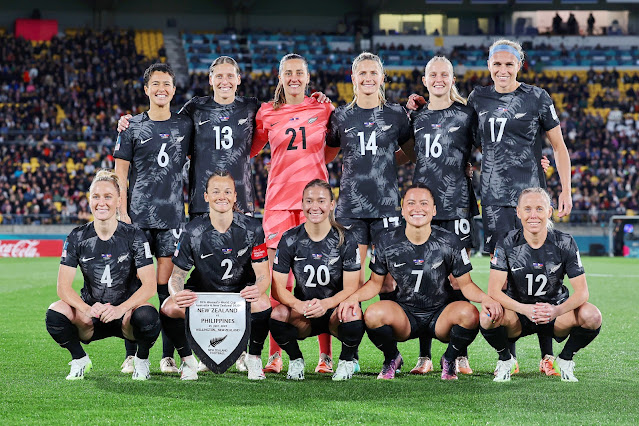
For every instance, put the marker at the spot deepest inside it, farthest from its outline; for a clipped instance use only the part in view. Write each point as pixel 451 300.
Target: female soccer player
pixel 227 250
pixel 295 126
pixel 326 263
pixel 420 258
pixel 534 260
pixel 113 302
pixel 150 155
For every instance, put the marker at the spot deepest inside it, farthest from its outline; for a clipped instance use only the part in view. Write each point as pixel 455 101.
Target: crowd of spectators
pixel 75 88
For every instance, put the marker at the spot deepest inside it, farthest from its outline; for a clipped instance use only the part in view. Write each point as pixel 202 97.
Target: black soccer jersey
pixel 537 275
pixel 222 141
pixel 421 272
pixel 369 139
pixel 443 142
pixel 510 127
pixel 109 267
pixel 317 265
pixel 157 152
pixel 222 261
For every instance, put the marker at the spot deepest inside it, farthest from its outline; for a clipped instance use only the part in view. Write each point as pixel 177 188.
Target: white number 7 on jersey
pixel 418 281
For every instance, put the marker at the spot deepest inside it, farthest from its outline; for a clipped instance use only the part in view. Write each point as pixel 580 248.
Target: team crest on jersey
pixel 436 126
pixel 106 256
pixel 224 118
pixel 418 262
pixel 227 250
pixel 312 120
pixel 538 265
pixel 316 256
pixel 164 135
pixel 123 257
pixel 369 123
pixel 242 121
pixel 502 109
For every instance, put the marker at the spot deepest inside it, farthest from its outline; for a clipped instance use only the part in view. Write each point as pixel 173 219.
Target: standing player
pixel 420 257
pixel 112 302
pixel 295 126
pixel 326 263
pixel 513 117
pixel 150 155
pixel 534 260
pixel 227 250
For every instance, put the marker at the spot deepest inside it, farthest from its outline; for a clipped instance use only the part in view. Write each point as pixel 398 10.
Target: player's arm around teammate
pixel 227 250
pixel 112 302
pixel 535 260
pixel 326 263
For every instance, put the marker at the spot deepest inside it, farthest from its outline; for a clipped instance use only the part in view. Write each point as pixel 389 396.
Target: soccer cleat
pixel 127 365
pixel 253 364
pixel 296 369
pixel 189 368
pixel 167 365
pixel 141 369
pixel 356 367
pixel 424 365
pixel 449 369
pixel 546 366
pixel 274 364
pixel 566 368
pixel 79 367
pixel 344 370
pixel 504 370
pixel 240 364
pixel 389 370
pixel 463 366
pixel 515 371
pixel 201 367
pixel 324 365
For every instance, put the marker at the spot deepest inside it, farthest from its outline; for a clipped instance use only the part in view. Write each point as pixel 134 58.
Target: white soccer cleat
pixel 127 365
pixel 504 370
pixel 240 364
pixel 168 366
pixel 253 364
pixel 566 368
pixel 141 369
pixel 189 368
pixel 201 367
pixel 296 369
pixel 79 367
pixel 344 370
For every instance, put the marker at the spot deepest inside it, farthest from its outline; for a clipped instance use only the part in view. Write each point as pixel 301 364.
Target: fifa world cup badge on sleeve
pixel 217 328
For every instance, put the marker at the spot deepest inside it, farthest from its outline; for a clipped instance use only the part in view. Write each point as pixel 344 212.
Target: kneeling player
pixel 326 264
pixel 534 260
pixel 420 257
pixel 227 250
pixel 112 301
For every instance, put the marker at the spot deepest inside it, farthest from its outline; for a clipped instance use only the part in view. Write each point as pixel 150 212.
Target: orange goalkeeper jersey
pixel 296 134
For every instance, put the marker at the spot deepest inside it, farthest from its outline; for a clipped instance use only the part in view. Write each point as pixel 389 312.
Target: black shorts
pixel 162 241
pixel 457 296
pixel 103 330
pixel 463 228
pixel 422 321
pixel 366 231
pixel 528 327
pixel 498 221
pixel 320 325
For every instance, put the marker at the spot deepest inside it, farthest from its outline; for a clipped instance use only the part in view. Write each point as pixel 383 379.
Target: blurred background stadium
pixel 69 69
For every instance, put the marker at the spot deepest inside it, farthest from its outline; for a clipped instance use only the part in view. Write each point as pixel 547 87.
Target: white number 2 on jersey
pixel 223 137
pixel 229 266
pixel 371 145
pixel 106 276
pixel 541 279
pixel 502 123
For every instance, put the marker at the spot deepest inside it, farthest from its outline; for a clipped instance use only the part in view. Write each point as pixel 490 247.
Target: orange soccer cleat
pixel 546 366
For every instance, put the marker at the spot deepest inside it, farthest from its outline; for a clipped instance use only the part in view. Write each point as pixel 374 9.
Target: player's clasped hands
pixel 185 298
pixel 251 293
pixel 347 310
pixel 313 308
pixel 542 313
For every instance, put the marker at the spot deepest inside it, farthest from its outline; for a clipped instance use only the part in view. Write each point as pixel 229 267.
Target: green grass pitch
pixel 33 389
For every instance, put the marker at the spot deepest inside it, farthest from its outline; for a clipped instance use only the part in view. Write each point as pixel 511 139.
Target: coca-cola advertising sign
pixel 30 248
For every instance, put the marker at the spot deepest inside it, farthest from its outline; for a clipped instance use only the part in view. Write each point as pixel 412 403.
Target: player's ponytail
pixel 341 231
pixel 537 190
pixel 106 175
pixel 367 56
pixel 279 98
pixel 454 93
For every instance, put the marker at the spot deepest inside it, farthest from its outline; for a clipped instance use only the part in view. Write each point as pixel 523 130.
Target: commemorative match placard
pixel 218 328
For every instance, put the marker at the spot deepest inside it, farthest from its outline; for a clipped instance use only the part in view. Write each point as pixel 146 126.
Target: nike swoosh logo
pixel 436 265
pixel 554 269
pixel 86 259
pixel 298 258
pixel 516 269
pixel 273 124
pixel 145 141
pixel 348 227
pixel 180 138
pixel 519 115
pixel 349 129
pixel 482 113
pixel 203 122
pixel 241 252
pixel 463 238
pixel 332 261
pixel 397 265
pixel 242 121
pixel 384 128
pixel 417 130
pixel 204 256
pixel 453 129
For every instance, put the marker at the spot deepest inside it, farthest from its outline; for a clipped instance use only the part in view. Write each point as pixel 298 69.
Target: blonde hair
pixel 454 93
pixel 331 216
pixel 510 43
pixel 106 175
pixel 279 98
pixel 546 197
pixel 224 60
pixel 367 56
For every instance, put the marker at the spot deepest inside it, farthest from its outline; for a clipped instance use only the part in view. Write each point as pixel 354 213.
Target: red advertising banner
pixel 31 248
pixel 36 29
